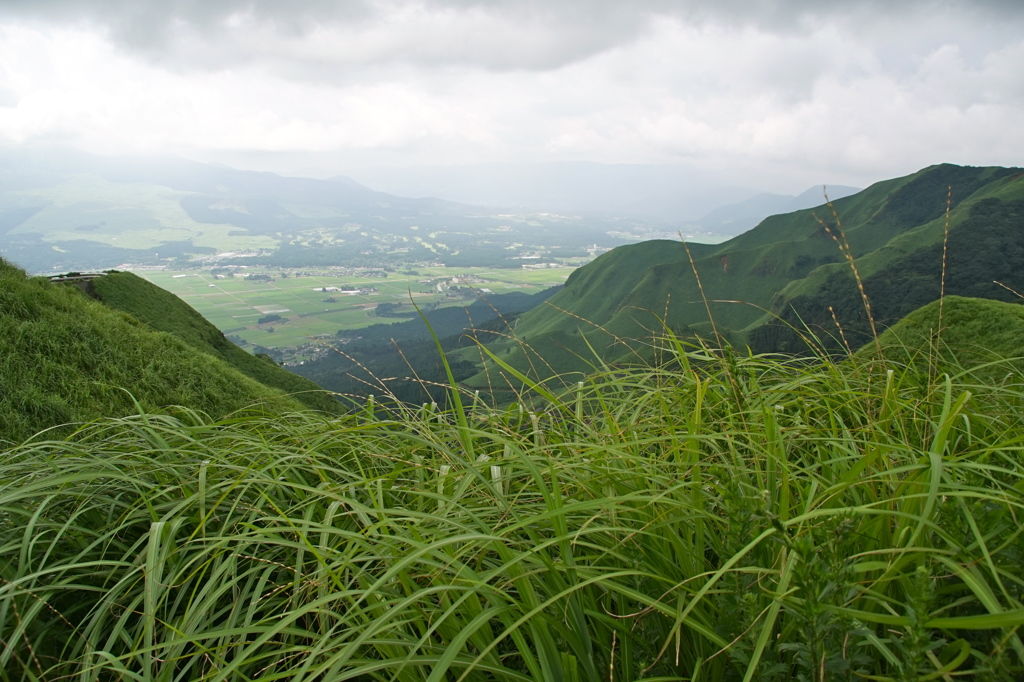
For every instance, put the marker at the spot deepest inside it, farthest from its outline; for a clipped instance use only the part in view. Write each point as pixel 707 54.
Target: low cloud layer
pixel 794 90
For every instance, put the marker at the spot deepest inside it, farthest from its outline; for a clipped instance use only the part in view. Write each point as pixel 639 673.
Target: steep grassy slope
pixel 790 266
pixel 65 358
pixel 974 332
pixel 165 312
pixel 985 246
pixel 602 305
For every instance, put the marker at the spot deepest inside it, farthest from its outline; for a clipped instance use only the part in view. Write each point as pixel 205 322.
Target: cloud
pixel 790 91
pixel 314 38
pixel 212 35
pixel 7 98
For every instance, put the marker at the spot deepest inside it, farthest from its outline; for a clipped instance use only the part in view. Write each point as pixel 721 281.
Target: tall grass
pixel 723 517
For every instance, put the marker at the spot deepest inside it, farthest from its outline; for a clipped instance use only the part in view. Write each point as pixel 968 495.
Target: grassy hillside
pixel 974 333
pixel 788 271
pixel 722 518
pixel 985 246
pixel 65 358
pixel 598 307
pixel 165 312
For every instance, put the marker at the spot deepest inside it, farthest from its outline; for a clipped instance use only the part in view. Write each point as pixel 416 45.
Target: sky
pixel 777 93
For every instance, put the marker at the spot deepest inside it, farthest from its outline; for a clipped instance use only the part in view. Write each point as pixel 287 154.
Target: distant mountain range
pixel 737 218
pixel 63 209
pixel 679 195
pixel 653 192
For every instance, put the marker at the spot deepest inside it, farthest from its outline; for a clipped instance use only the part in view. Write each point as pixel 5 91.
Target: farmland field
pixel 312 302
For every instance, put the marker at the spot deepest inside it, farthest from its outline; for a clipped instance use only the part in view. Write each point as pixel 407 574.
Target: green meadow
pixel 235 305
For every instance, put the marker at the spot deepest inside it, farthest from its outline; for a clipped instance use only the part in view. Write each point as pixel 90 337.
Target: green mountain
pixel 165 312
pixel 65 358
pixel 785 274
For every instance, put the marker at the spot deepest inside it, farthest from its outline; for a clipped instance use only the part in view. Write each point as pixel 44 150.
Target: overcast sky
pixel 778 93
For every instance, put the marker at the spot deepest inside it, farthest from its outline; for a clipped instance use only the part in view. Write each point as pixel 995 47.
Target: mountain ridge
pixel 752 283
